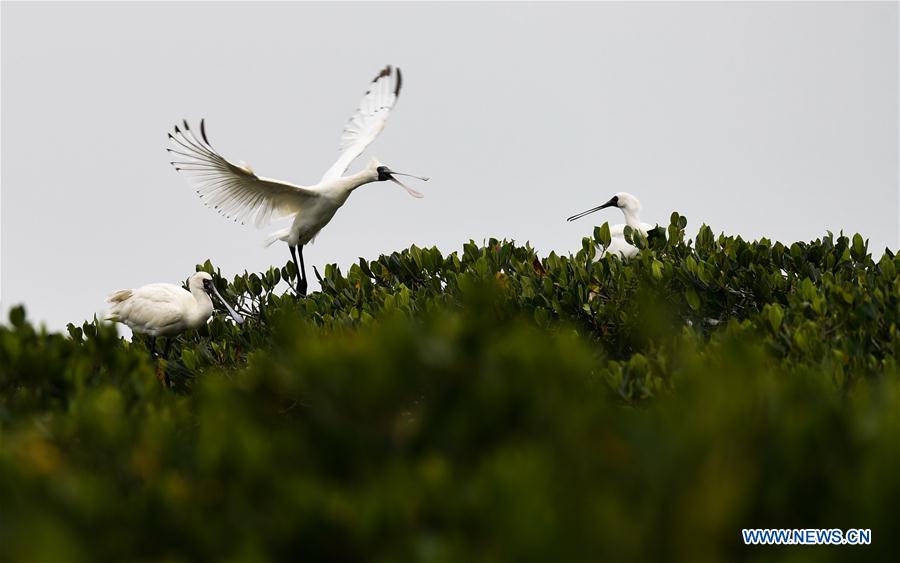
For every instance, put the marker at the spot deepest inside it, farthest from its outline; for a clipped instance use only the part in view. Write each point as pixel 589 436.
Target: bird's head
pixel 627 202
pixel 204 281
pixel 382 173
pixel 200 280
pixel 623 200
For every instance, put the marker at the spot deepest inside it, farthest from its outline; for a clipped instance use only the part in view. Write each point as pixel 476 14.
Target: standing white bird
pixel 165 309
pixel 630 206
pixel 236 192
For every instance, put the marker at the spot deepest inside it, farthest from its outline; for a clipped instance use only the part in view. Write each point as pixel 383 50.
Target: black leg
pixel 152 347
pixel 166 381
pixel 302 284
pixel 301 281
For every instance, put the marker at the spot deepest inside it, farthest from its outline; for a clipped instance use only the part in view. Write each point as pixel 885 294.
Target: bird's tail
pixel 281 234
pixel 119 296
pixel 116 299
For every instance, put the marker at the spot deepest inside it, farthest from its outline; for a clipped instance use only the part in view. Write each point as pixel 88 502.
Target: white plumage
pixel 238 193
pixel 165 309
pixel 630 206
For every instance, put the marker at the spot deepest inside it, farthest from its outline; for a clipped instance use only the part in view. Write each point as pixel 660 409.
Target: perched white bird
pixel 630 206
pixel 165 309
pixel 236 192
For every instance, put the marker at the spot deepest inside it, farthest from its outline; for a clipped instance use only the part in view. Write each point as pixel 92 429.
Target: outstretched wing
pixel 369 119
pixel 233 190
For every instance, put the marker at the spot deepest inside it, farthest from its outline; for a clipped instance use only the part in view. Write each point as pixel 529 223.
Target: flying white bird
pixel 236 192
pixel 165 309
pixel 630 206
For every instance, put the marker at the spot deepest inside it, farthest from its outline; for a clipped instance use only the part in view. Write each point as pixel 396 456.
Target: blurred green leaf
pixel 692 298
pixel 487 404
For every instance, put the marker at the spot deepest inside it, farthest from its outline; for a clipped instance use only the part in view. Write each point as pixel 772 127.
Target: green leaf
pixel 74 331
pixel 602 236
pixel 255 285
pixel 858 250
pixel 189 358
pixel 703 272
pixel 799 339
pixel 704 238
pixel 887 266
pixel 673 219
pixel 239 284
pixel 17 316
pixel 691 264
pixel 775 314
pixel 692 298
pixel 364 267
pixel 628 234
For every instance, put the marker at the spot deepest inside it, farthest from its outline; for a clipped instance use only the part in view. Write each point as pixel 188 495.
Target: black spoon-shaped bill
pixel 234 314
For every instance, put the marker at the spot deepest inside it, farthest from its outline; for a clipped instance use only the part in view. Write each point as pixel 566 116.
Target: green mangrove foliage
pixel 486 405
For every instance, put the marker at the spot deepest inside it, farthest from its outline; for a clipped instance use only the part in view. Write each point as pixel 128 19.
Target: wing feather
pixel 368 121
pixel 233 190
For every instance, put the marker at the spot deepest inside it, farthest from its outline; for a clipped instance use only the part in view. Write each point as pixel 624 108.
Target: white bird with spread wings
pixel 236 192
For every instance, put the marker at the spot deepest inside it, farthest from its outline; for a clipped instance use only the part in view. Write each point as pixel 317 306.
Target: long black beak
pixel 409 190
pixel 234 314
pixel 613 202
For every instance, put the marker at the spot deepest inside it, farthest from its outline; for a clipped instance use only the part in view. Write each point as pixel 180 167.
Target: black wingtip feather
pixel 399 82
pixel 203 131
pixel 186 127
pixel 386 71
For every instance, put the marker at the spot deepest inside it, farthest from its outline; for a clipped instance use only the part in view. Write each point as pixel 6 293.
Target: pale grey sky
pixel 777 120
